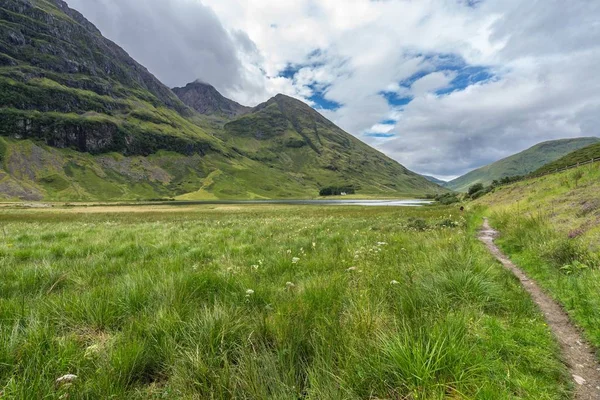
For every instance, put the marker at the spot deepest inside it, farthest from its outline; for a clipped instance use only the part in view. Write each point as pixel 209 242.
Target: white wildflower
pixel 254 267
pixel 394 282
pixel 381 243
pixel 295 260
pixel 249 292
pixel 351 269
pixel 68 378
pixel 314 245
pixel 290 285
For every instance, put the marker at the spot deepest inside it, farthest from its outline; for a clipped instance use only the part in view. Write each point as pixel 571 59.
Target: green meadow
pixel 264 302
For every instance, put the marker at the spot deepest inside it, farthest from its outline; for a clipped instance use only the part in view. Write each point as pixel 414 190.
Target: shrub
pixel 479 193
pixel 447 198
pixel 577 175
pixel 337 190
pixel 475 188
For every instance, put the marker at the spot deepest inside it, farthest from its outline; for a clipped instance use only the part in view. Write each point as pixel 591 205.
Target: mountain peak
pixel 206 99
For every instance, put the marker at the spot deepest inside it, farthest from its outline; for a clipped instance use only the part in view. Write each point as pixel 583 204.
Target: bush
pixel 479 193
pixel 447 198
pixel 475 188
pixel 337 190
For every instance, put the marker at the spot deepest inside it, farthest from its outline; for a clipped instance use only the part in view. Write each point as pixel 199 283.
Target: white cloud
pixel 544 54
pixel 431 83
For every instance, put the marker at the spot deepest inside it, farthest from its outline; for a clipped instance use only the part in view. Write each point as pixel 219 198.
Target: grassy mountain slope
pixel 578 156
pixel 34 171
pixel 81 120
pixel 522 163
pixel 288 135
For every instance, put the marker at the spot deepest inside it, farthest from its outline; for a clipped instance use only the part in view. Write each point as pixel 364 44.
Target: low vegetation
pixel 551 228
pixel 263 302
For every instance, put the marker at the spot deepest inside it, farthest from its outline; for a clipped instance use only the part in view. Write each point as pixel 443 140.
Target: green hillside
pixel 82 120
pixel 287 135
pixel 578 156
pixel 522 163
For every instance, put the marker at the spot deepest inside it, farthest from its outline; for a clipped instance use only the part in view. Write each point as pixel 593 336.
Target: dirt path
pixel 576 353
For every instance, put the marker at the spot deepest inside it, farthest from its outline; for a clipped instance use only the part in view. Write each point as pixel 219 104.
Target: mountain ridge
pixel 207 100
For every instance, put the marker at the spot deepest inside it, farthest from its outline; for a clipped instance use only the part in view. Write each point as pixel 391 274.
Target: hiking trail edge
pixel 577 354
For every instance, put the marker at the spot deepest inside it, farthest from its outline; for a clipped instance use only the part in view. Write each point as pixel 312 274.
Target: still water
pixel 378 203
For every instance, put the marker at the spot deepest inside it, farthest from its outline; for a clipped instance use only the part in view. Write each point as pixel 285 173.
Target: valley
pixel 163 241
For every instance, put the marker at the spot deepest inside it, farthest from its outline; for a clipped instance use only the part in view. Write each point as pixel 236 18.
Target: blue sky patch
pixel 318 97
pixel 466 75
pixel 394 99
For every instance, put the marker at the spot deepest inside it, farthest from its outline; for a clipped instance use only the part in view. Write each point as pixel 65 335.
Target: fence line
pixel 555 171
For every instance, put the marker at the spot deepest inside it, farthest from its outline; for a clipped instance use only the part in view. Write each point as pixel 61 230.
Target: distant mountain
pixel 205 99
pixel 81 120
pixel 435 180
pixel 522 163
pixel 582 155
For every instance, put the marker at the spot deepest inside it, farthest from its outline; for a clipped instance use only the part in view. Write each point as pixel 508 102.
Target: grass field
pixel 551 228
pixel 264 302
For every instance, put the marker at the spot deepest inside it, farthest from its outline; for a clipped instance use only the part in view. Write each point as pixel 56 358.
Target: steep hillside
pixel 65 84
pixel 34 171
pixel 522 163
pixel 578 156
pixel 288 135
pixel 205 99
pixel 81 120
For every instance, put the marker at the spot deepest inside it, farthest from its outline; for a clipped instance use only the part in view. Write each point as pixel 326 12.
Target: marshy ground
pixel 280 302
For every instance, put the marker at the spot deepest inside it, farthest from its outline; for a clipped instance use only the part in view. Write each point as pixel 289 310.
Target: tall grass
pixel 265 303
pixel 565 265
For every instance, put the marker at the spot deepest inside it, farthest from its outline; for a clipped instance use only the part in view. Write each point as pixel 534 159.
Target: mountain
pixel 288 135
pixel 522 163
pixel 62 82
pixel 578 156
pixel 81 120
pixel 205 99
pixel 435 180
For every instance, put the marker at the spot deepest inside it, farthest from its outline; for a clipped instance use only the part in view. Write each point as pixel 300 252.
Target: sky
pixel 442 86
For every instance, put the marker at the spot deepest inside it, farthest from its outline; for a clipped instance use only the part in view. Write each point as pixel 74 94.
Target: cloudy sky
pixel 442 86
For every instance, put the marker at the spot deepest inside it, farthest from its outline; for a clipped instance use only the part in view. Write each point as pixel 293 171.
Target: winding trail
pixel 576 352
